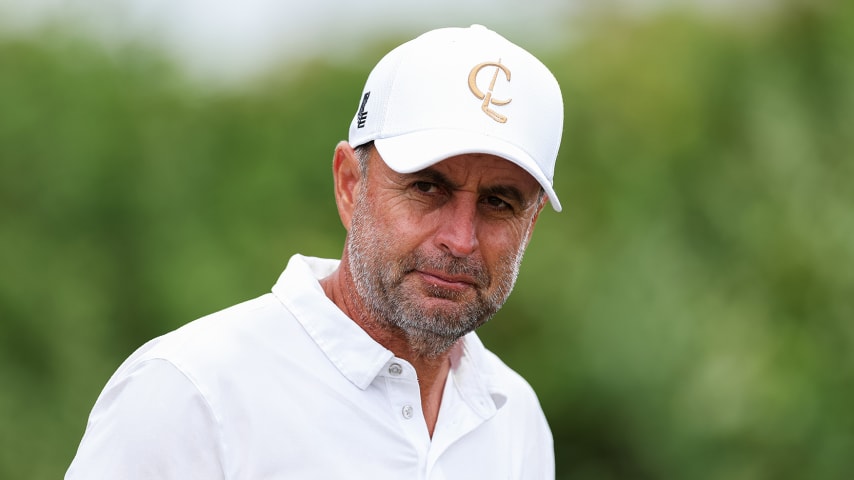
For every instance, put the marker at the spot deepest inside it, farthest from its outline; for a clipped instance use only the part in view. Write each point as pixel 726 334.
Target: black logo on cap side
pixel 362 116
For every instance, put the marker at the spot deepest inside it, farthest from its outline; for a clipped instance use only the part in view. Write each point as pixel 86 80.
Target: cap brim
pixel 411 152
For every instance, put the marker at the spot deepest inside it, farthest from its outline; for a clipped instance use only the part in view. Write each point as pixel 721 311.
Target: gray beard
pixel 379 280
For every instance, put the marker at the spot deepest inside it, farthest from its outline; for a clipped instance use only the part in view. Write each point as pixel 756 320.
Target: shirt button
pixel 395 369
pixel 407 411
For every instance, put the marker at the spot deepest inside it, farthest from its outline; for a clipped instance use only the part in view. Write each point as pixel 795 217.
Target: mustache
pixel 448 264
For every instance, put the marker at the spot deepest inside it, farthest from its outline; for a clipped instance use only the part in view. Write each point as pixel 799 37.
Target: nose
pixel 457 230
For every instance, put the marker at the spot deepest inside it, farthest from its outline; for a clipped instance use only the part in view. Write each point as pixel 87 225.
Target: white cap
pixel 454 91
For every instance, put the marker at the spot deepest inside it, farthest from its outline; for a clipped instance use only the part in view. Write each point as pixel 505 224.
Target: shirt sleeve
pixel 150 422
pixel 542 451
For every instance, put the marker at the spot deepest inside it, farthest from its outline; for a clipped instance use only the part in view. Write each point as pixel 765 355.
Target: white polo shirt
pixel 287 386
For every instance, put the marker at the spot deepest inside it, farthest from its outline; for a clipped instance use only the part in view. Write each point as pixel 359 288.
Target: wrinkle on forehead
pixel 486 174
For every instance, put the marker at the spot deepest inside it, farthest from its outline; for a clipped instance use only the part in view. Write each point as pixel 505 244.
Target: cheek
pixel 499 241
pixel 396 230
pixel 405 221
pixel 505 249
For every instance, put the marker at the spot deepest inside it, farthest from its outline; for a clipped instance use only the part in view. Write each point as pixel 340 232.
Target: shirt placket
pixel 405 403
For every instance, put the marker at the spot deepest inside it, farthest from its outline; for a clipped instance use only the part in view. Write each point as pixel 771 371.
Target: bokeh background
pixel 690 314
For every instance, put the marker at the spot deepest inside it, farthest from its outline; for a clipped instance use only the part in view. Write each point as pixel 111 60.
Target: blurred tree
pixel 700 288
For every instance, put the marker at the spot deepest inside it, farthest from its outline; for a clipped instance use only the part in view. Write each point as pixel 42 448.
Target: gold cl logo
pixel 487 97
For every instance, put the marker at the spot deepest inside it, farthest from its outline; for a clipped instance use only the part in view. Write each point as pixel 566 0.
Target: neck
pixel 432 371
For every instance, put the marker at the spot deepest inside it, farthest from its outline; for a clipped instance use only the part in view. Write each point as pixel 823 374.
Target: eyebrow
pixel 434 176
pixel 507 191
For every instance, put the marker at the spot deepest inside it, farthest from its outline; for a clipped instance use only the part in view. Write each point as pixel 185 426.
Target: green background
pixel 690 314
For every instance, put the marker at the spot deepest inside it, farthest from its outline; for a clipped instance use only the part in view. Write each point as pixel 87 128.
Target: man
pixel 369 367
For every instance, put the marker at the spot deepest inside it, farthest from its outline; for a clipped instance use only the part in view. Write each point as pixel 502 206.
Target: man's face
pixel 435 253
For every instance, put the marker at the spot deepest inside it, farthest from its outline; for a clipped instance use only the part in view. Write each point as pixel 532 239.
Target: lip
pixel 444 280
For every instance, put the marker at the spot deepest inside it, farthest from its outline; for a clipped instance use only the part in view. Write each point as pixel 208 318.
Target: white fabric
pixel 287 386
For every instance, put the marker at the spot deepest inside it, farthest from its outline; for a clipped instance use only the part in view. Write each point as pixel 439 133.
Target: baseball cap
pixel 455 91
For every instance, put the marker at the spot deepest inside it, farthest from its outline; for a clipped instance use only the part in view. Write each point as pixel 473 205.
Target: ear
pixel 540 207
pixel 346 174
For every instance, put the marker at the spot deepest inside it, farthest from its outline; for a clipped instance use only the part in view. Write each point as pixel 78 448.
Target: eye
pixel 497 203
pixel 425 187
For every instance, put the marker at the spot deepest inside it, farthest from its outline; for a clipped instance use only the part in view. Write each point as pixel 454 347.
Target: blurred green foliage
pixel 690 315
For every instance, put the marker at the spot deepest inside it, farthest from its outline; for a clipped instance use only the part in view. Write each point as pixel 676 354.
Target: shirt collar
pixel 358 356
pixel 475 377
